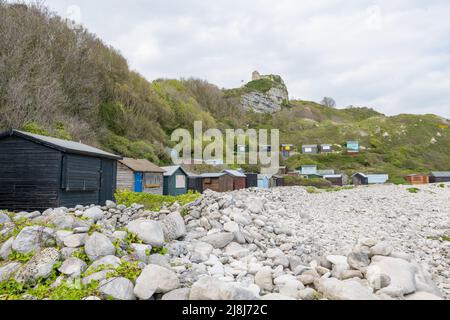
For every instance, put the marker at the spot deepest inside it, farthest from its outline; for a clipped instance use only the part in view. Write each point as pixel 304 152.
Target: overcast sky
pixel 392 55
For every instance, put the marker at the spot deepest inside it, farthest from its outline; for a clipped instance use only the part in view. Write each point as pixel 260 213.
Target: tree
pixel 328 102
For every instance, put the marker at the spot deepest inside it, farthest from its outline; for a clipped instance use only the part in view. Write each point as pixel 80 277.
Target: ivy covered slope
pixel 87 92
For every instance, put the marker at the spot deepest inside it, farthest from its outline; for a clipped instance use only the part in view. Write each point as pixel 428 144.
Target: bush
pixel 299 181
pixel 153 202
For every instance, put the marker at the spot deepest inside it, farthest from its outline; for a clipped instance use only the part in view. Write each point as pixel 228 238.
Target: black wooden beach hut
pixel 252 180
pixel 39 172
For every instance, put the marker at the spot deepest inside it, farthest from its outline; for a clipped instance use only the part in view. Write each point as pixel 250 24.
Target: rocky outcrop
pixel 267 100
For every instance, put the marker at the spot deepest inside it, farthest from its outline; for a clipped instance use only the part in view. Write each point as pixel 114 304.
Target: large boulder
pixel 173 226
pixel 117 288
pixel 401 272
pixel 264 280
pixel 39 267
pixel 219 240
pixel 6 248
pixel 73 267
pixel 32 238
pixel 94 213
pixel 201 251
pixel 177 294
pixel 75 240
pixel 207 288
pixel 278 257
pixel 334 289
pixel 151 232
pixel 7 271
pixel 98 245
pixel 4 218
pixel 155 279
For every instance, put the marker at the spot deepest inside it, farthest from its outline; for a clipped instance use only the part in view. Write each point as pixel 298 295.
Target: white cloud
pixel 390 55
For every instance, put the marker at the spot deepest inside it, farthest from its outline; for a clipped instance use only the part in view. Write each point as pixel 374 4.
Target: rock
pixel 177 294
pixel 236 250
pixel 141 252
pixel 110 261
pixel 6 248
pixel 207 288
pixel 231 227
pixel 235 291
pixel 339 260
pixel 263 279
pixel 73 267
pixel 155 279
pixel 401 272
pixel 94 213
pixel 98 245
pixel 40 266
pixel 160 260
pixel 151 232
pixel 117 288
pixel 381 249
pixel 377 279
pixel 97 276
pixel 61 235
pixel 173 226
pixel 110 204
pixel 32 238
pixel 4 218
pixel 8 270
pixel 358 260
pixel 307 294
pixel 217 270
pixel 219 240
pixel 334 289
pixel 349 274
pixel 92 298
pixel 26 215
pixel 276 296
pixel 63 221
pixel 201 251
pixel 75 240
pixel 278 257
pixel 422 295
pixel 306 279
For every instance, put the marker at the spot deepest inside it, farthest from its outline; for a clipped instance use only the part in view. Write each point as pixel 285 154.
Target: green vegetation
pixel 315 182
pixel 81 254
pixel 337 189
pixel 312 190
pixel 262 85
pixel 413 190
pixel 153 202
pixel 127 269
pixel 43 289
pixel 160 250
pixel 21 257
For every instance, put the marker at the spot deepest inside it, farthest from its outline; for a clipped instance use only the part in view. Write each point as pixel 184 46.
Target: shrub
pixel 151 201
pixel 315 182
pixel 413 190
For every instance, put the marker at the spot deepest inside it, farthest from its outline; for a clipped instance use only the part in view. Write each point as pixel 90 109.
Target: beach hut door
pixel 138 181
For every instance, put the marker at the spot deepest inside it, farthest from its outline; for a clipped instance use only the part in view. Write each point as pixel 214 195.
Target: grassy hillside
pixel 67 83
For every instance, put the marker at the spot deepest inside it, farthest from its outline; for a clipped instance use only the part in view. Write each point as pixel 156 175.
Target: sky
pixel 391 55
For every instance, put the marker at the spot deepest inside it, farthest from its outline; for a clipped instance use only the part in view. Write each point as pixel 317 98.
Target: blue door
pixel 138 182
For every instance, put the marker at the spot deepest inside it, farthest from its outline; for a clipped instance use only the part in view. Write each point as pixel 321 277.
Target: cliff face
pixel 265 94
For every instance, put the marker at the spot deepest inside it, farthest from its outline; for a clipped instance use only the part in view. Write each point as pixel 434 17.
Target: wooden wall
pixel 30 175
pixel 153 183
pixel 125 178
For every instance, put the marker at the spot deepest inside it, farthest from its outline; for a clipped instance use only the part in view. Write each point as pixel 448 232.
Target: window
pixel 152 180
pixel 180 182
pixel 308 149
